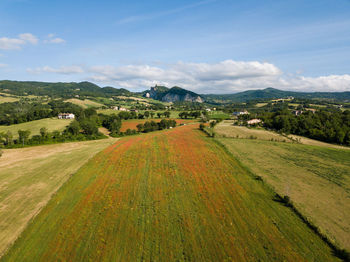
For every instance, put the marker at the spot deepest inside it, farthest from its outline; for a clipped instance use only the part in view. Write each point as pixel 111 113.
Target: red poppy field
pixel 173 195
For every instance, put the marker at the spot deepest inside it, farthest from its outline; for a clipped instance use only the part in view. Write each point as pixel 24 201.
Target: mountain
pixel 174 94
pixel 59 89
pixel 272 93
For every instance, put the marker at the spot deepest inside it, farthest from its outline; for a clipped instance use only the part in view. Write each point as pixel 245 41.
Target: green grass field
pixel 29 177
pixel 317 179
pixel 7 99
pixel 172 195
pixel 34 126
pixel 86 103
pixel 227 129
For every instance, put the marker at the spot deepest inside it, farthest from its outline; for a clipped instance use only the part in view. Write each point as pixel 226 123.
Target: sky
pixel 207 46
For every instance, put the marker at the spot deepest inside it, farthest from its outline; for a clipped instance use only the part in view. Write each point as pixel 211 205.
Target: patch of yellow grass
pixel 86 103
pixel 317 179
pixel 30 176
pixel 227 129
pixel 51 124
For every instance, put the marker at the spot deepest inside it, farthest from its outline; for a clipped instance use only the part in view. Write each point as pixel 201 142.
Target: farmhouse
pixel 245 112
pixel 66 116
pixel 119 108
pixel 297 112
pixel 254 121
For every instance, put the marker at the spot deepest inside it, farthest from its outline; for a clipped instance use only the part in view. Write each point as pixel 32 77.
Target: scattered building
pixel 66 116
pixel 254 121
pixel 119 108
pixel 148 95
pixel 208 109
pixel 245 112
pixel 311 110
pixel 297 112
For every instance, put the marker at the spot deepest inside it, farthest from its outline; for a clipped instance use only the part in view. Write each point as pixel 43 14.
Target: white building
pixel 254 121
pixel 66 116
pixel 245 112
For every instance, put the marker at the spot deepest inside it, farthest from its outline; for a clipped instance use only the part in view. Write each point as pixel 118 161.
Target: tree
pixel 73 128
pixel 212 124
pixel 43 132
pixel 23 136
pixel 159 114
pixel 152 114
pixel 89 127
pixel 146 114
pixel 8 138
pixel 167 114
pixel 139 127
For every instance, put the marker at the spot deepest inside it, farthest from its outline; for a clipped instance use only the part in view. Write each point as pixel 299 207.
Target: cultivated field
pixel 317 179
pixel 7 99
pixel 132 123
pixel 171 195
pixel 86 103
pixel 34 126
pixel 29 177
pixel 227 129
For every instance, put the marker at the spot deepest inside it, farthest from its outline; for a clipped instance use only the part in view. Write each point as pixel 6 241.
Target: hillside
pixel 174 94
pixel 161 93
pixel 272 93
pixel 66 90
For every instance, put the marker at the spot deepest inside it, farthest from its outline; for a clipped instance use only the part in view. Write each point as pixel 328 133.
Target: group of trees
pixel 150 126
pixel 84 127
pixel 192 114
pixel 326 125
pixel 22 111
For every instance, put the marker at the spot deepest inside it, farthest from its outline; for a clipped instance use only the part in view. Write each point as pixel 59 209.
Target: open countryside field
pixel 7 99
pixel 317 179
pixel 171 195
pixel 51 124
pixel 227 129
pixel 29 177
pixel 132 123
pixel 86 103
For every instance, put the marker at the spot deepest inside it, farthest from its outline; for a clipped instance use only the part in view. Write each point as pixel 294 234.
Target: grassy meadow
pixel 86 103
pixel 171 195
pixel 29 177
pixel 227 129
pixel 317 179
pixel 34 126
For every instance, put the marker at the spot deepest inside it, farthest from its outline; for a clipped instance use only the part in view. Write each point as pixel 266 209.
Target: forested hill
pixel 72 89
pixel 272 93
pixel 64 90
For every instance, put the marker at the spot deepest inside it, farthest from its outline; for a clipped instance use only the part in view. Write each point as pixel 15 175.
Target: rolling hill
pixel 272 93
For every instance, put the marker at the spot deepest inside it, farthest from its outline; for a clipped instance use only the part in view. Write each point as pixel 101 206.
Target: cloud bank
pixel 223 77
pixel 17 43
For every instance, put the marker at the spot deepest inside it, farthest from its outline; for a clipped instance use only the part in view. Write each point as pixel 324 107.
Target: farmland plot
pixel 171 195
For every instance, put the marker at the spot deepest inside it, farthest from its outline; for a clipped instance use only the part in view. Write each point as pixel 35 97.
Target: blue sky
pixel 210 46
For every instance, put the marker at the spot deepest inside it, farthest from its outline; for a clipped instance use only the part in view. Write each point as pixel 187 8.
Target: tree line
pixel 150 126
pixel 331 126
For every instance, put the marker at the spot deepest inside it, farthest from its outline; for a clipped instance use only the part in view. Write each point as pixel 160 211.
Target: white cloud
pixel 27 37
pixel 66 70
pixel 17 43
pixel 54 40
pixel 224 77
pixel 3 65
